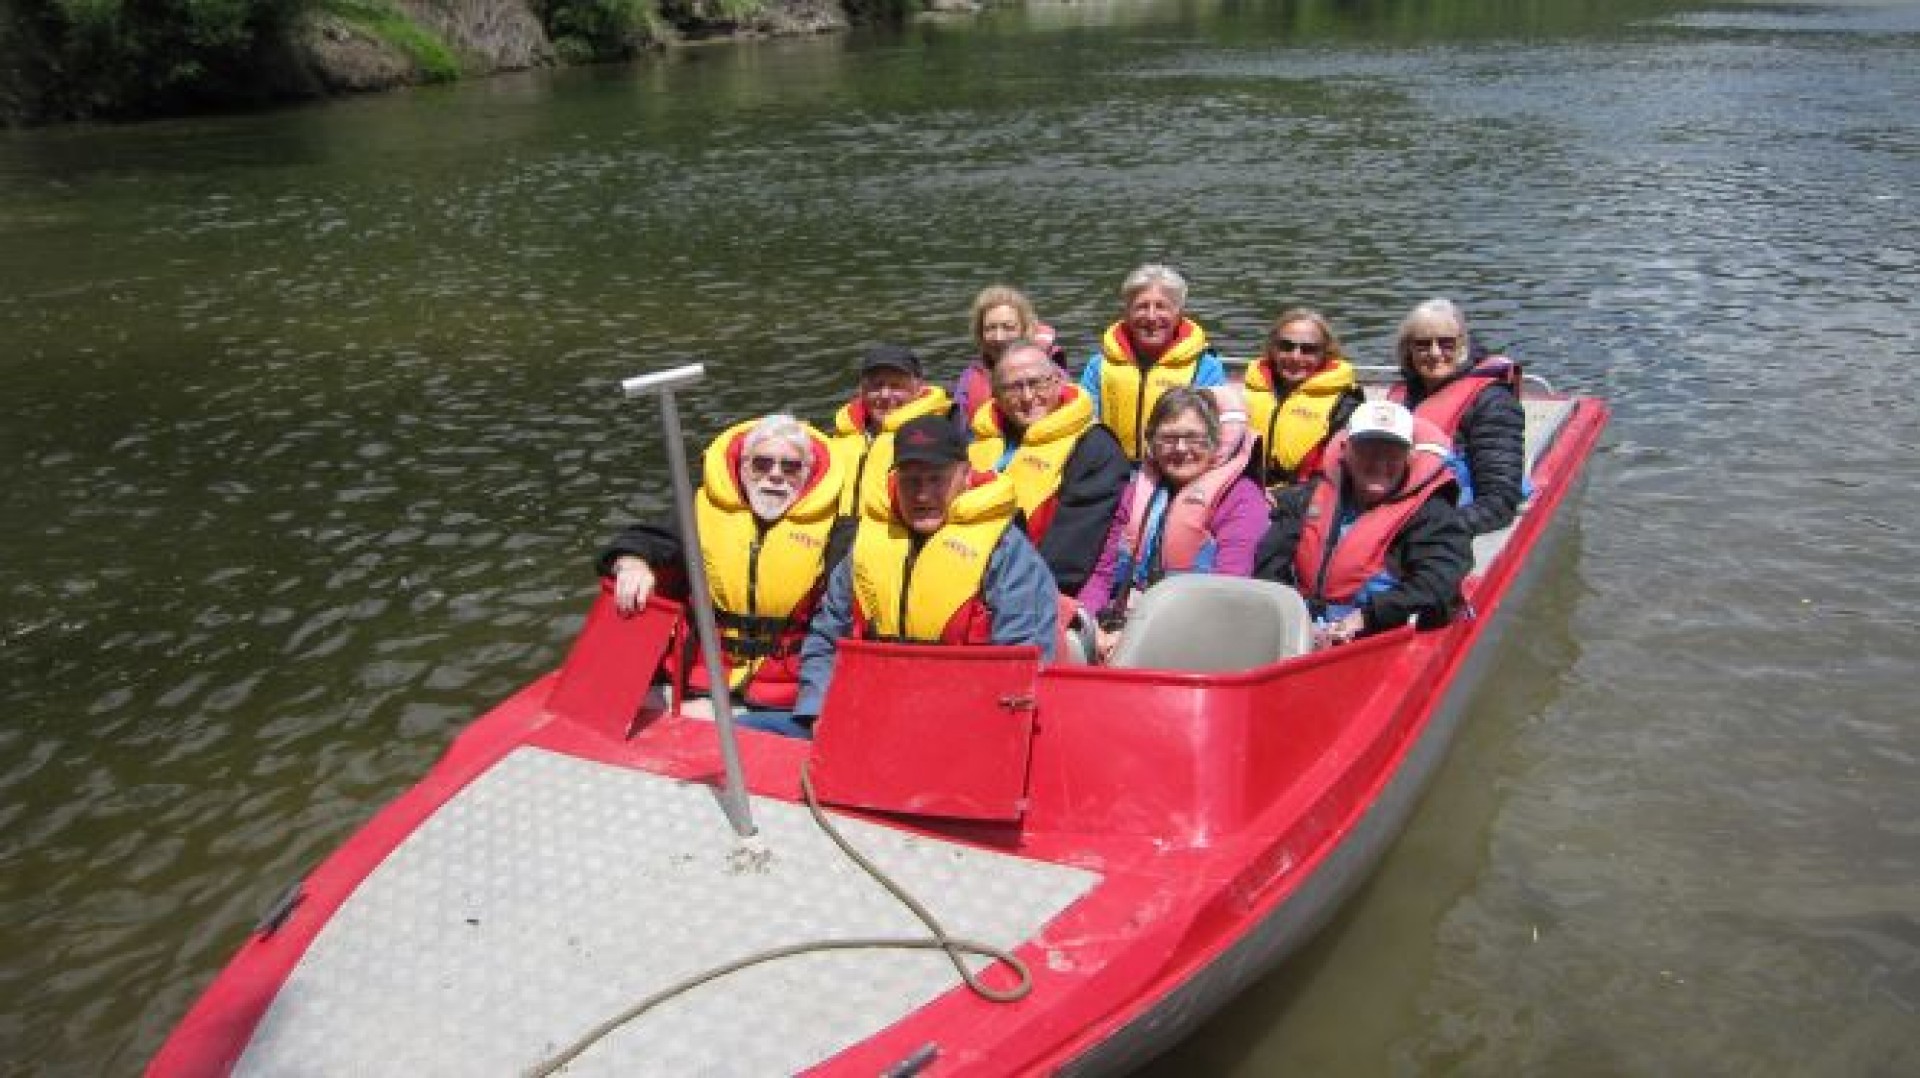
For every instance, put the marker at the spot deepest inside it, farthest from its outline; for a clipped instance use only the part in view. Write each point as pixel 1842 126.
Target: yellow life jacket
pixel 932 596
pixel 759 580
pixel 1299 423
pixel 1040 461
pixel 1124 405
pixel 865 459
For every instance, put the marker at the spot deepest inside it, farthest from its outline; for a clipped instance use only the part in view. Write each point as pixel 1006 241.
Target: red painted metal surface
pixel 891 738
pixel 1226 813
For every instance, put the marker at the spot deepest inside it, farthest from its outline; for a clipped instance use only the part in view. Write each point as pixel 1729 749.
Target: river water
pixel 311 430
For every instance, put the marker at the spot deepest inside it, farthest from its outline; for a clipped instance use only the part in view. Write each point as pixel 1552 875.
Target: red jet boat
pixel 1143 840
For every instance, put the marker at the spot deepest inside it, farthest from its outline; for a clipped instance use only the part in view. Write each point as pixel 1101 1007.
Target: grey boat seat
pixel 1210 623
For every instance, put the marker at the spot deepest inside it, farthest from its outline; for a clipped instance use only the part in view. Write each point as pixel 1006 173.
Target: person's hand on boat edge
pixel 632 584
pixel 1340 631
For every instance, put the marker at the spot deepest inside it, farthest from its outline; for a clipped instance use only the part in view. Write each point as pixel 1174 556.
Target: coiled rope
pixel 936 940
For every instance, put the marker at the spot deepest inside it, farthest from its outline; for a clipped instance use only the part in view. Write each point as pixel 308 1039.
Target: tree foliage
pixel 133 57
pixel 585 30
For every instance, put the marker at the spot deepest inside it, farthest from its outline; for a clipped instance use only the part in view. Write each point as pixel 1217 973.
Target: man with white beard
pixel 767 510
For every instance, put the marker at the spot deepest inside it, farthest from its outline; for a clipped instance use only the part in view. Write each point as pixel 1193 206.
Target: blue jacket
pixel 1018 589
pixel 1207 371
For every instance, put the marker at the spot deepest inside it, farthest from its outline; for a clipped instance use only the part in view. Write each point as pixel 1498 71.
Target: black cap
pixel 895 356
pixel 930 439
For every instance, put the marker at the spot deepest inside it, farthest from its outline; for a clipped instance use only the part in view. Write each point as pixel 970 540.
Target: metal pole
pixel 733 799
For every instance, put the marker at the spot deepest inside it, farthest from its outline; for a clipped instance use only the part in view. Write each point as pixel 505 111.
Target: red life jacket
pixel 1444 406
pixel 1186 538
pixel 1334 571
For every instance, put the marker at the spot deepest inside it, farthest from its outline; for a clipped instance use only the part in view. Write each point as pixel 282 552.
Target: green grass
pixel 435 61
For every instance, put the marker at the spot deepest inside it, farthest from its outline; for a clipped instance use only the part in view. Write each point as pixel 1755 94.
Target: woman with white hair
pixel 1474 399
pixel 767 509
pixel 1151 349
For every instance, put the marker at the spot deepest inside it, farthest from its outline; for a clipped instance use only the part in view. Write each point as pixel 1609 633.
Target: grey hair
pixel 1018 344
pixel 1432 310
pixel 1153 275
pixel 782 427
pixel 1180 400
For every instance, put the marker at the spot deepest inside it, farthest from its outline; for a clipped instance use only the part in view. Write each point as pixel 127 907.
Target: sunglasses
pixel 1288 344
pixel 790 467
pixel 1446 345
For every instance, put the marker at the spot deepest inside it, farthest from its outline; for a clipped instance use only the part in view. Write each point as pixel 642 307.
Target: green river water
pixel 311 430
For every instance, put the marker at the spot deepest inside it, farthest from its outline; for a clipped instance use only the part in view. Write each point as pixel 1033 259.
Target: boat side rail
pixel 1191 759
pixel 1379 376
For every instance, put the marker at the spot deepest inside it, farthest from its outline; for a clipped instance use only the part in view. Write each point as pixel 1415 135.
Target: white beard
pixel 770 502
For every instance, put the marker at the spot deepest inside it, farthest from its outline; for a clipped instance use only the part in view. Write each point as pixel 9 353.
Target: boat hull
pixel 1213 822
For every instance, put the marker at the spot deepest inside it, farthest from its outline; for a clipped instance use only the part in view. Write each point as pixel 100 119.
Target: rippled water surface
pixel 311 432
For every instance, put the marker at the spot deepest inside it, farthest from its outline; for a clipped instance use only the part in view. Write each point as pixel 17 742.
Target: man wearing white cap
pixel 1373 539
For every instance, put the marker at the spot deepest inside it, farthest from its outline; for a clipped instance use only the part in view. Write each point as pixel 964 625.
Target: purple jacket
pixel 1239 522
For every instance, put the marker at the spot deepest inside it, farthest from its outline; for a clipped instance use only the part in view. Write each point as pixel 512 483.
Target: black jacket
pixel 1430 556
pixel 1095 475
pixel 1493 435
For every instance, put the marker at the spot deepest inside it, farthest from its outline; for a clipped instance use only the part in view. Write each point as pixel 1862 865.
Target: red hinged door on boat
pixel 933 731
pixel 605 679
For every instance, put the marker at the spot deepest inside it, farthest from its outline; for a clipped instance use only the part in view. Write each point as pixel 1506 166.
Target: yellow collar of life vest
pixel 866 458
pixel 904 595
pixel 1039 460
pixel 1293 425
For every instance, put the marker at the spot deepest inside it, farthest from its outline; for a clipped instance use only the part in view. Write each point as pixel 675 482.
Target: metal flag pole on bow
pixel 733 799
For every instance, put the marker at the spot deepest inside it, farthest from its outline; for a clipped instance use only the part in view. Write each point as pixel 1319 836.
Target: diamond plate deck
pixel 554 892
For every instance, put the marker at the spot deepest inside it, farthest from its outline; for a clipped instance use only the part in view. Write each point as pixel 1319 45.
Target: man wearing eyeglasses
pixel 767 511
pixel 938 562
pixel 1067 470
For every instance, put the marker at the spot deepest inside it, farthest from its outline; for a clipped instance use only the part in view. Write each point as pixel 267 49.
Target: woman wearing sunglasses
pixel 1191 507
pixel 1474 399
pixel 766 508
pixel 1299 392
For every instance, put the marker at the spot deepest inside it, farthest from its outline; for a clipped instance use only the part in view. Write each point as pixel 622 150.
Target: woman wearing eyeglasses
pixel 1473 398
pixel 766 507
pixel 1299 392
pixel 1191 508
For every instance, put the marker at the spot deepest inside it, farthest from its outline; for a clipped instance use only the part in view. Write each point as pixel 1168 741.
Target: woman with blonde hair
pixel 1299 392
pixel 1001 315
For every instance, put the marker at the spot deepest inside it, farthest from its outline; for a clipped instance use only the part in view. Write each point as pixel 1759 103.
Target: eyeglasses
pixel 1027 387
pixel 1447 345
pixel 790 467
pixel 1182 441
pixel 1287 344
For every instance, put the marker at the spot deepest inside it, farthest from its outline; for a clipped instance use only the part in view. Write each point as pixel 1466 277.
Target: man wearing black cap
pixel 1373 539
pixel 892 391
pixel 938 560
